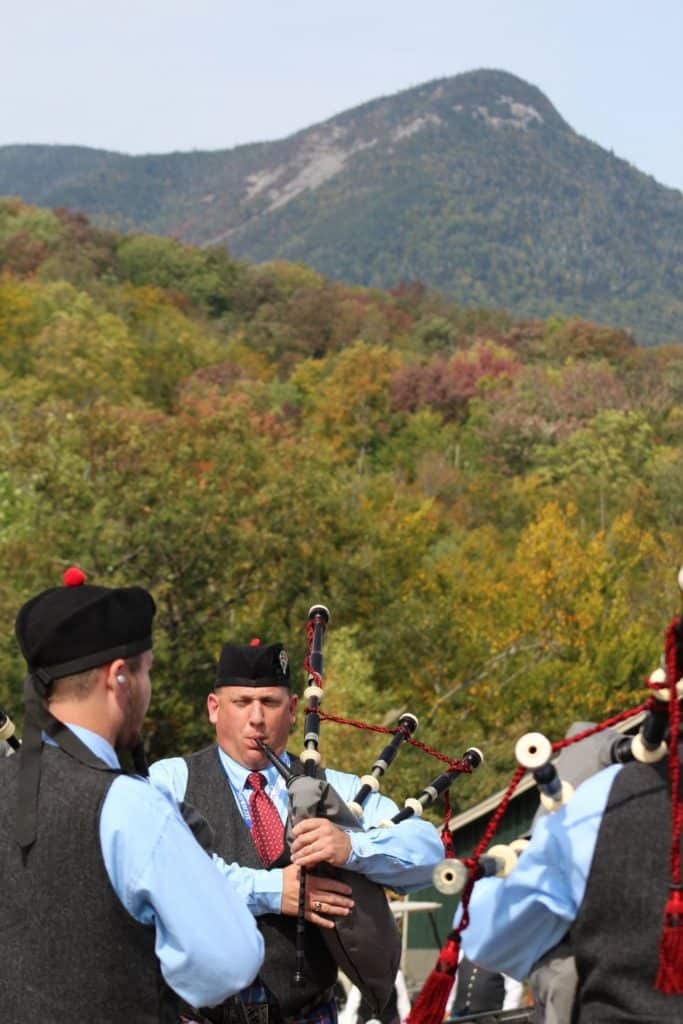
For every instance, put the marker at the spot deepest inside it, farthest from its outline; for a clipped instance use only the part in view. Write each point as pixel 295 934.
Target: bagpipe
pixel 602 744
pixel 556 776
pixel 365 945
pixel 8 732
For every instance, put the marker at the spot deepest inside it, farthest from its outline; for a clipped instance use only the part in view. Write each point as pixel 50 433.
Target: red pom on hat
pixel 255 642
pixel 74 577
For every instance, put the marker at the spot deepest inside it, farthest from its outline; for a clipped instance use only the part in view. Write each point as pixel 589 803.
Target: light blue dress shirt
pixel 402 857
pixel 515 920
pixel 207 941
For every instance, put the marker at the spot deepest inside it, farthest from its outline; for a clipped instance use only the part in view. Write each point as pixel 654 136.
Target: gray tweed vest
pixel 69 951
pixel 616 934
pixel 477 989
pixel 209 791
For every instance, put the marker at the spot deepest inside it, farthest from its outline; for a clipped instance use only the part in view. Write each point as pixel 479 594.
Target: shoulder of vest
pixel 640 778
pixel 201 755
pixel 54 758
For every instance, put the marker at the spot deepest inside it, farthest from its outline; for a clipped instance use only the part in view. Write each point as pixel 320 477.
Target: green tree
pixel 207 276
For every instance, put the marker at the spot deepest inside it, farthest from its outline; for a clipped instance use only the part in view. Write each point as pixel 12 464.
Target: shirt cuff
pixel 354 858
pixel 361 847
pixel 260 889
pixel 266 895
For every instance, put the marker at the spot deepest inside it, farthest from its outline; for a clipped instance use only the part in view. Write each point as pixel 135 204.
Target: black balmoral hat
pixel 69 629
pixel 253 664
pixel 61 632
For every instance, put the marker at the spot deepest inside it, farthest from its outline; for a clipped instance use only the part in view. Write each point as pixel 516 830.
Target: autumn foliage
pixel 492 511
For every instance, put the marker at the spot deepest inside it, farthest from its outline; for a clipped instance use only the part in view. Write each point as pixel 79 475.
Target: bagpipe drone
pixel 657 738
pixel 366 945
pixel 8 732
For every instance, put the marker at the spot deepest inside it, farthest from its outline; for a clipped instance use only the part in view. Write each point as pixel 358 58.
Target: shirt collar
pixel 95 743
pixel 237 773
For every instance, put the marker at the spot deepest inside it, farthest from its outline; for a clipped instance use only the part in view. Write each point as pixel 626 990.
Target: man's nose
pixel 256 712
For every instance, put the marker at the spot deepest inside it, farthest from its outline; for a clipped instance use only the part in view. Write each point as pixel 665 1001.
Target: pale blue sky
pixel 153 76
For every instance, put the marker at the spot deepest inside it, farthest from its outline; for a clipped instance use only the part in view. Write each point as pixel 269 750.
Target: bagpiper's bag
pixel 366 945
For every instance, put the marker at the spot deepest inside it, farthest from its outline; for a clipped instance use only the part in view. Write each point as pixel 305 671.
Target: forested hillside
pixel 492 509
pixel 474 184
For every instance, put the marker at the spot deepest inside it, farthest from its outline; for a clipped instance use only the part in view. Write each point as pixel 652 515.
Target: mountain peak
pixel 473 184
pixel 501 99
pixel 497 95
pixel 496 99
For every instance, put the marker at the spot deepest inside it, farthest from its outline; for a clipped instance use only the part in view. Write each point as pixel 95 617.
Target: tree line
pixel 491 509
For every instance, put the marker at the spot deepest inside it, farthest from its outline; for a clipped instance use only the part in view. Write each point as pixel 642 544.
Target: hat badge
pixel 284 661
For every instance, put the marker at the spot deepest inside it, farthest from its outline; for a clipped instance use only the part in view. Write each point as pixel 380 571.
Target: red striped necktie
pixel 267 829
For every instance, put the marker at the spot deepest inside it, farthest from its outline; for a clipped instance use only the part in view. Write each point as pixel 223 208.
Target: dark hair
pixel 80 685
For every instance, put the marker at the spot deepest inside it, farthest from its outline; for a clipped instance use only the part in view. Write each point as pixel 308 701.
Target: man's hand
pixel 323 896
pixel 317 840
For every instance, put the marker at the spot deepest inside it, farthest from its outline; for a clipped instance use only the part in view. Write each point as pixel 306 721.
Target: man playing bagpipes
pixel 105 890
pixel 606 864
pixel 246 801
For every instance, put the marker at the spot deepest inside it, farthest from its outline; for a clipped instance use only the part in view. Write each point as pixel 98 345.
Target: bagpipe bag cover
pixel 366 945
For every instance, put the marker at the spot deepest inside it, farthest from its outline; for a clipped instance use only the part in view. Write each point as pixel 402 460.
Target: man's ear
pixel 116 675
pixel 293 701
pixel 212 705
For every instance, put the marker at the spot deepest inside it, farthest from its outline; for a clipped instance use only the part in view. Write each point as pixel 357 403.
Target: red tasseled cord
pixel 430 1005
pixel 446 834
pixel 670 974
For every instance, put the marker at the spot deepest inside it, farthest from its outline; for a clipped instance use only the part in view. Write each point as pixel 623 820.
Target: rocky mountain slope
pixel 474 185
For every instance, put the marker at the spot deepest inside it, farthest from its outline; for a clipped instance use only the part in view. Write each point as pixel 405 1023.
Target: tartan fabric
pixel 323 1013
